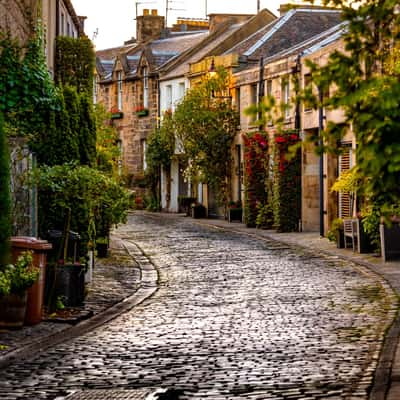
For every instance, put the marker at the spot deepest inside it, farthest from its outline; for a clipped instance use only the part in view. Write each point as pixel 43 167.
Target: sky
pixel 111 22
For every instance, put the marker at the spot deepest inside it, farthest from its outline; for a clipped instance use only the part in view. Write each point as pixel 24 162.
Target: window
pixel 143 146
pixel 119 90
pixel 286 97
pixel 181 90
pixel 253 100
pixel 62 23
pixel 237 99
pixel 253 94
pixel 145 87
pixel 69 29
pixel 168 100
pixel 308 88
pixel 269 87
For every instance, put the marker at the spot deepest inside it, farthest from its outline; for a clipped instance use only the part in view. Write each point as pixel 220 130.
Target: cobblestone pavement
pixel 234 318
pixel 115 278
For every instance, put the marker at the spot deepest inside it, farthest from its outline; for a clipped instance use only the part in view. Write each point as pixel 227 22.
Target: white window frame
pixel 286 97
pixel 145 87
pixel 119 90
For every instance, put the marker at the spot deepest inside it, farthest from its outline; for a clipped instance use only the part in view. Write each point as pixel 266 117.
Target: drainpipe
pixel 297 124
pixel 321 163
pixel 57 18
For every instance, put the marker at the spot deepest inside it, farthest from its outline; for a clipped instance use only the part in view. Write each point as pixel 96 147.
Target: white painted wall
pixel 171 93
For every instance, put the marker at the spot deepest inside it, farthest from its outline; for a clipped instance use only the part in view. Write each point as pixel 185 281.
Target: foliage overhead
pixel 366 79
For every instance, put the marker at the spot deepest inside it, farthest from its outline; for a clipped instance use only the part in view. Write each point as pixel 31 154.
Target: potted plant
pixel 389 230
pixel 116 113
pixel 349 182
pixel 15 280
pixel 141 111
pixel 235 211
pixel 336 233
pixel 198 210
pixel 102 244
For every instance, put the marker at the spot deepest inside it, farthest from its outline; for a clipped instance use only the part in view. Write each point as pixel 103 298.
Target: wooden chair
pixel 350 231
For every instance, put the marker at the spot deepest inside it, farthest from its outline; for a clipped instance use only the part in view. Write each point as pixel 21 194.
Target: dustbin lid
pixel 56 234
pixel 29 242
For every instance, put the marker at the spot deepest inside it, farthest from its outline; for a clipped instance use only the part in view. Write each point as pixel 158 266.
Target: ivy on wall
pixel 287 181
pixel 75 63
pixel 5 197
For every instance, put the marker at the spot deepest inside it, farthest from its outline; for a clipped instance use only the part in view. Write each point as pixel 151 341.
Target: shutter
pixel 345 165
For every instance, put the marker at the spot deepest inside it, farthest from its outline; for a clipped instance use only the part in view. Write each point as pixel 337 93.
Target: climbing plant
pixel 5 197
pixel 287 181
pixel 75 63
pixel 206 126
pixel 159 153
pixel 256 174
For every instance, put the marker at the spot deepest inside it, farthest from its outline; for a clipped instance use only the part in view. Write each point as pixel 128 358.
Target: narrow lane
pixel 234 318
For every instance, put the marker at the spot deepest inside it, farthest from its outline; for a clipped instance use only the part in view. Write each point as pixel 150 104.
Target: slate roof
pixel 158 51
pixel 296 26
pixel 202 51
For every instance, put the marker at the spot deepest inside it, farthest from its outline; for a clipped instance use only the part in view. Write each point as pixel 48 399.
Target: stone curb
pixel 148 286
pixel 380 389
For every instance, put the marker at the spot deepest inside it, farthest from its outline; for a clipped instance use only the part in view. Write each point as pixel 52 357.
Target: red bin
pixel 39 249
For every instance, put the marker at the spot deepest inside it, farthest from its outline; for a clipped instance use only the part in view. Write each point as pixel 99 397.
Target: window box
pixel 117 115
pixel 144 112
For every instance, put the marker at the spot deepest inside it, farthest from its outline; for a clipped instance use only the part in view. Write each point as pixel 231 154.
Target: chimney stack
pixel 149 26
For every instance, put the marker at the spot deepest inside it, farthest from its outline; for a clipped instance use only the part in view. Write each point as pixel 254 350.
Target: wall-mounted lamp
pixel 212 74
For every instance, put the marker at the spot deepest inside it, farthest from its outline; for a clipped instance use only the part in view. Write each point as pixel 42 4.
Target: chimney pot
pixel 154 12
pixel 146 11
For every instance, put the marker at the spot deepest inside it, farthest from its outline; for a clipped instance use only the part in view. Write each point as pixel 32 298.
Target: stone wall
pixel 16 17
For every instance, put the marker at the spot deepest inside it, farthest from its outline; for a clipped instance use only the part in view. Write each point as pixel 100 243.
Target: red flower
pixel 280 139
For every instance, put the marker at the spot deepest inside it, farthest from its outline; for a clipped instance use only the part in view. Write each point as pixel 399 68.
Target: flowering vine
pixel 256 157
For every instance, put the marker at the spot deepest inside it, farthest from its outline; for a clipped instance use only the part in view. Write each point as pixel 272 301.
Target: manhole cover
pixel 111 394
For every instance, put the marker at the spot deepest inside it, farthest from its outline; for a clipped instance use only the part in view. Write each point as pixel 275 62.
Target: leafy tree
pixel 5 197
pixel 366 84
pixel 160 150
pixel 206 125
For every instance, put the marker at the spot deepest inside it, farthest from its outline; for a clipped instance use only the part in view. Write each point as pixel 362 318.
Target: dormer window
pixel 145 75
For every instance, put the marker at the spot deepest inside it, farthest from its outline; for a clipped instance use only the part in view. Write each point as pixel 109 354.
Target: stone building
pixel 128 84
pixel 295 27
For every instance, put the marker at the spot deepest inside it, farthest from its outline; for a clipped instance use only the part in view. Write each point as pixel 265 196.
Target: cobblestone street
pixel 234 318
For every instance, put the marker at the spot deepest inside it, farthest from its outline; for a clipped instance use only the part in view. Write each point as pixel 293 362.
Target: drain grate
pixel 114 394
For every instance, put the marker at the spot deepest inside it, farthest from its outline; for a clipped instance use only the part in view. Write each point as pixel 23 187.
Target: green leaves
pixel 205 125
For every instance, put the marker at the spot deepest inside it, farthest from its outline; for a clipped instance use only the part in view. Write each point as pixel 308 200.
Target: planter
pixel 12 310
pixel 390 241
pixel 117 115
pixel 102 250
pixel 68 283
pixel 198 211
pixel 142 113
pixel 340 239
pixel 235 214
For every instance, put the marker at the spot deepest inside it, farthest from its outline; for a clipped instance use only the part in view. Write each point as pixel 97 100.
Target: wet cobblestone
pixel 234 318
